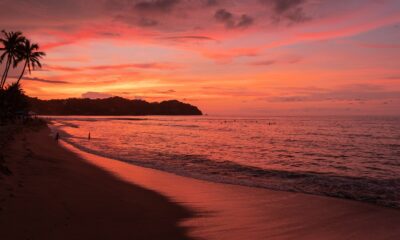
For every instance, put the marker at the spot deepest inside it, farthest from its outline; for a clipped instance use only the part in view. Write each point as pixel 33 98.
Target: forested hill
pixel 110 106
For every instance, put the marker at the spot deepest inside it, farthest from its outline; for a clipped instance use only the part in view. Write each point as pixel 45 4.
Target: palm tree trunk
pixel 4 73
pixel 23 71
pixel 4 77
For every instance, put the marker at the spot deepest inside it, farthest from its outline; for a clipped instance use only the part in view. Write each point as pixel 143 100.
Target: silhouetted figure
pixel 57 136
pixel 88 137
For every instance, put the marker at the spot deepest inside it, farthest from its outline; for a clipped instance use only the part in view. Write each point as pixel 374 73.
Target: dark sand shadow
pixel 57 195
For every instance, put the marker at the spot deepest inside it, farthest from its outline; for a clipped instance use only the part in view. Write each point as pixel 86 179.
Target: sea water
pixel 350 157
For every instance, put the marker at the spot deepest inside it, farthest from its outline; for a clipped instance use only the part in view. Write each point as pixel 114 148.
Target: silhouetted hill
pixel 110 106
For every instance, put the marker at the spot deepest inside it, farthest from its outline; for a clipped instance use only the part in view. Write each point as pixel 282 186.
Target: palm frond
pixel 36 62
pixel 16 61
pixel 30 67
pixel 34 46
pixel 3 56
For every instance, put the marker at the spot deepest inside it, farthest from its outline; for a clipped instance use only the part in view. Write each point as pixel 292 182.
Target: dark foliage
pixel 13 103
pixel 113 106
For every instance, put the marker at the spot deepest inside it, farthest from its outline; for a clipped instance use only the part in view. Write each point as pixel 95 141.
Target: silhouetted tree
pixel 12 102
pixel 11 42
pixel 114 106
pixel 29 53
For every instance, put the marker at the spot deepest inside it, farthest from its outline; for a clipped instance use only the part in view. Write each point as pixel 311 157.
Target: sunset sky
pixel 253 57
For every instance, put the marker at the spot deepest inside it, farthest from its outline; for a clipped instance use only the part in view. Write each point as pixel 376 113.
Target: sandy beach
pixel 53 194
pixel 59 192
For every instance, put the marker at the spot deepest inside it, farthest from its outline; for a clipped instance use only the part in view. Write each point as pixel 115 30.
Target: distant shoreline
pixel 114 106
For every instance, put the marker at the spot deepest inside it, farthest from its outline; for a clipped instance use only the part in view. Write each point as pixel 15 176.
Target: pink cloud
pixel 157 66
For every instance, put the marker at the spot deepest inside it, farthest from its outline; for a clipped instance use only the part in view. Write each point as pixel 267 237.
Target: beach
pixel 59 192
pixel 53 194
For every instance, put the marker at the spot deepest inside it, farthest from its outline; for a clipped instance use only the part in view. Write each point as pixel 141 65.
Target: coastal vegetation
pixel 15 49
pixel 13 103
pixel 113 106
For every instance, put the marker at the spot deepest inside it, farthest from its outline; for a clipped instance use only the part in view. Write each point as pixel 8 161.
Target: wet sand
pixel 236 212
pixel 63 193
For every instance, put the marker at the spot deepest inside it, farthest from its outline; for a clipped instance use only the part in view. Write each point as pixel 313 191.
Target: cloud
pixel 291 59
pixel 263 63
pixel 244 21
pixel 211 3
pixel 288 9
pixel 380 45
pixel 189 38
pixel 157 66
pixel 51 45
pixel 393 77
pixel 358 92
pixel 166 92
pixel 60 68
pixel 231 21
pixel 162 6
pixel 109 34
pixel 35 79
pixel 223 16
pixel 226 56
pixel 282 6
pixel 96 95
pixel 147 22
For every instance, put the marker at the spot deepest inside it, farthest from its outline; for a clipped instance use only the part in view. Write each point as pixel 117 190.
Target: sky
pixel 228 57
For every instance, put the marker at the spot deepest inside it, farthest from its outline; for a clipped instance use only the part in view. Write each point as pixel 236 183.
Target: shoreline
pixel 324 170
pixel 227 211
pixel 80 188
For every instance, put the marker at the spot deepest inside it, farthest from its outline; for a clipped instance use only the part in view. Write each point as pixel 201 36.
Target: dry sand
pixel 63 193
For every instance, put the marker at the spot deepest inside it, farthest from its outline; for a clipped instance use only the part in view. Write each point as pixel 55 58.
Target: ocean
pixel 354 157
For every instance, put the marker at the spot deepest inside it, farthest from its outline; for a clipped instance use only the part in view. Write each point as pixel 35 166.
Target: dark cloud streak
pixel 201 38
pixel 153 66
pixel 156 5
pixel 291 10
pixel 211 3
pixel 282 6
pixel 231 21
pixel 45 80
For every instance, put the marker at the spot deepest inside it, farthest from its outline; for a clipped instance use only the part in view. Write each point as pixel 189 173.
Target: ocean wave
pixel 384 192
pixel 329 157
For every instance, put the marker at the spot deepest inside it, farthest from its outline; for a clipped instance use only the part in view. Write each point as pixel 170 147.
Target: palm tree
pixel 29 52
pixel 11 43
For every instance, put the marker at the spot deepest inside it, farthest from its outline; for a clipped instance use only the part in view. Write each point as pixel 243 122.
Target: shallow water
pixel 349 157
